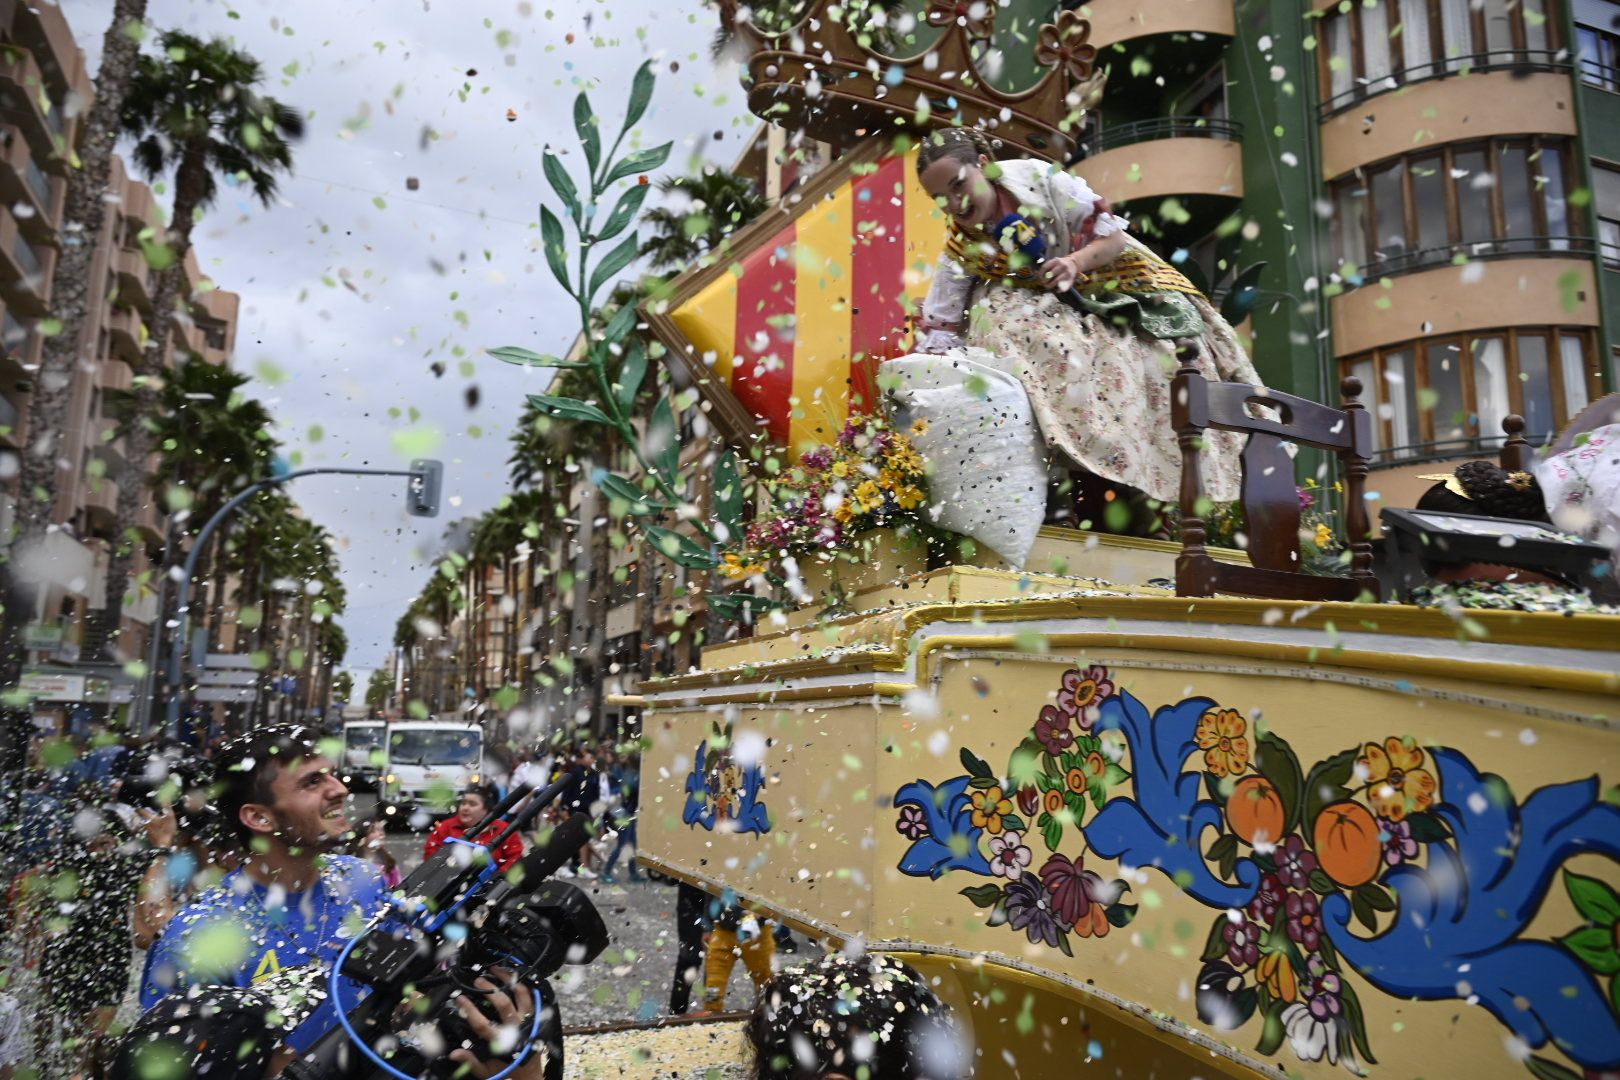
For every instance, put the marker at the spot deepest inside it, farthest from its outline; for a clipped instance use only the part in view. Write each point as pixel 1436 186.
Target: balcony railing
pixel 9 416
pixel 38 183
pixel 1505 248
pixel 1163 127
pixel 1524 60
pixel 30 263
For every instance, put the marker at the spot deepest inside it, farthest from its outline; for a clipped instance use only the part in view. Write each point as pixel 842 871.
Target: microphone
pixel 1029 241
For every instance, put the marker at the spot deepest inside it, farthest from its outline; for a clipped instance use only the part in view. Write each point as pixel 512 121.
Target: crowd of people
pixel 139 874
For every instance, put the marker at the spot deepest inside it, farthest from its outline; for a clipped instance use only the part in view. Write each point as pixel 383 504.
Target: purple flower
pixel 1294 863
pixel 819 458
pixel 1052 729
pixel 1029 910
pixel 1008 855
pixel 1083 692
pixel 1305 920
pixel 913 823
pixel 1242 942
pixel 1322 989
pixel 1263 908
pixel 1306 499
pixel 1398 843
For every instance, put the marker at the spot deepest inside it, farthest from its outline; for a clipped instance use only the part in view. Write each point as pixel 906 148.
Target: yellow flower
pixel 1397 785
pixel 887 480
pixel 844 512
pixel 1338 488
pixel 1221 735
pixel 1324 535
pixel 919 426
pixel 1276 974
pixel 868 496
pixel 840 468
pixel 906 460
pixel 989 807
pixel 908 497
pixel 734 567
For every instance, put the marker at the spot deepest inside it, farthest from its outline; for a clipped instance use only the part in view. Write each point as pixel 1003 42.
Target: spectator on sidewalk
pixel 476 803
pixel 623 817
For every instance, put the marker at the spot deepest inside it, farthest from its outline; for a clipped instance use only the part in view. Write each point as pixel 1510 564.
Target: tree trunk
pixel 83 216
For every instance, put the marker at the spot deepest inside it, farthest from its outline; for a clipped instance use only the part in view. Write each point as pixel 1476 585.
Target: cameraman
pixel 293 901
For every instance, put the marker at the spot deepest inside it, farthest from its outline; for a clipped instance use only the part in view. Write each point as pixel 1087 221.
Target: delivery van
pixel 363 753
pixel 426 765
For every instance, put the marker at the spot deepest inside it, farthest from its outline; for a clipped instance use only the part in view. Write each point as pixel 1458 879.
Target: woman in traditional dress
pixel 1098 364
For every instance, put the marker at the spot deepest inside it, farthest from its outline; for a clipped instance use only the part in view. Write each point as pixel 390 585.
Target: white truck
pixel 426 765
pixel 363 753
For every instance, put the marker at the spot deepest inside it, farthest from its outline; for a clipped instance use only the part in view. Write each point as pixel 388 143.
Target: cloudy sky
pixel 359 281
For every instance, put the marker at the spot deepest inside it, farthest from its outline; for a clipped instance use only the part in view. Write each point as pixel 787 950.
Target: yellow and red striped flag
pixel 796 329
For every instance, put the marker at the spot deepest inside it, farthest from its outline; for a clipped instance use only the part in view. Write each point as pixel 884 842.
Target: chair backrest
pixel 1270 499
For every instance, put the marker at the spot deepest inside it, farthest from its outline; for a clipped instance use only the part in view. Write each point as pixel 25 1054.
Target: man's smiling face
pixel 309 805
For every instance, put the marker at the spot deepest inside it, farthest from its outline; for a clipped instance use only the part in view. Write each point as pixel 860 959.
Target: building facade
pixel 44 92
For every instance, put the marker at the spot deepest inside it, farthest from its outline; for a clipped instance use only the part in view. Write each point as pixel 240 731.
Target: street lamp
pixel 426 477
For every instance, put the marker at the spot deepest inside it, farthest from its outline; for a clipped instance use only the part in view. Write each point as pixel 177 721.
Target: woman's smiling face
pixel 962 190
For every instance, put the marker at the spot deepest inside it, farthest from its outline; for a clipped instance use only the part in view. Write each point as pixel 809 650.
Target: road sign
pixel 228 677
pixel 228 660
pixel 226 693
pixel 44 637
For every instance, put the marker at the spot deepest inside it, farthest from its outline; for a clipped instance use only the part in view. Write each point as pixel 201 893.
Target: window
pixel 1377 45
pixel 1606 201
pixel 1505 197
pixel 1597 43
pixel 1450 394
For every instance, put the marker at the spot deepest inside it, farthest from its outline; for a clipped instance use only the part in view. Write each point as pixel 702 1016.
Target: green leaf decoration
pixel 1594 899
pixel 1428 828
pixel 621 324
pixel 1277 762
pixel 561 408
pixel 1121 914
pixel 552 240
pixel 639 163
pixel 679 549
pixel 1052 833
pixel 976 766
pixel 1358 1021
pixel 1271 1035
pixel 1594 945
pixel 661 445
pixel 1217 792
pixel 1225 852
pixel 1328 783
pixel 998 915
pixel 640 502
pixel 1063 943
pixel 1542 1069
pixel 615 261
pixel 1013 823
pixel 631 375
pixel 641 91
pixel 512 354
pixel 585 127
pixel 563 184
pixel 728 494
pixel 1321 884
pixel 1244 294
pixel 624 212
pixel 983 895
pixel 1378 898
pixel 1215 945
pixel 1363 911
pixel 984 783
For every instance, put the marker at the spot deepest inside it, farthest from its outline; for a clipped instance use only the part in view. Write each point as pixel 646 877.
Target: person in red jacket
pixel 475 805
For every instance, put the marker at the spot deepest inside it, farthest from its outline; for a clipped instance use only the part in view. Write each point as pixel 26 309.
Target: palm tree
pixel 719 203
pixel 193 108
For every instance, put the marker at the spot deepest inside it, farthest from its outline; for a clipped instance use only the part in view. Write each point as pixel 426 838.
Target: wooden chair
pixel 1270 500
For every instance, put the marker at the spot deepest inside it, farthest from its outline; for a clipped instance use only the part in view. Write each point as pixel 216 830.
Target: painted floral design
pixel 1065 44
pixel 1397 783
pixel 975 16
pixel 1311 868
pixel 722 794
pixel 913 824
pixel 1222 737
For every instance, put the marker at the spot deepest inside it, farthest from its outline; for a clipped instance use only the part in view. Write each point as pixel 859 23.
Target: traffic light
pixel 422 492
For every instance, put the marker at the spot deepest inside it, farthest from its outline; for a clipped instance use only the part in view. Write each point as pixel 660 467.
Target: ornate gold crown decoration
pixel 816 76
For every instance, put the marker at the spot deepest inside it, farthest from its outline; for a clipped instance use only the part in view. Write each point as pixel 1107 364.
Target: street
pixel 631 979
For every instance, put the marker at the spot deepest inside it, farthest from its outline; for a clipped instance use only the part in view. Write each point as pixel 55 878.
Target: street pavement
pixel 631 980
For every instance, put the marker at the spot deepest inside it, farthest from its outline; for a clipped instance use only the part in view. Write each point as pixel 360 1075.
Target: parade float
pixel 1120 828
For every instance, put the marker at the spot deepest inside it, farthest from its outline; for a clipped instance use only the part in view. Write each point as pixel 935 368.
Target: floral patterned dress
pixel 1098 378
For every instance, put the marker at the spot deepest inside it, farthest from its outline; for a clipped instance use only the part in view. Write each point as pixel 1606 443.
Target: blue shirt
pixel 240 932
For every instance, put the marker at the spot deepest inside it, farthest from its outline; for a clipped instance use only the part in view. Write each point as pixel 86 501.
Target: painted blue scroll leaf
pixel 1163 824
pixel 1458 921
pixel 754 817
pixel 946 810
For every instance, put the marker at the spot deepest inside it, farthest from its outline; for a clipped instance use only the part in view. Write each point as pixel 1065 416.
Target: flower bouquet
pixel 870 478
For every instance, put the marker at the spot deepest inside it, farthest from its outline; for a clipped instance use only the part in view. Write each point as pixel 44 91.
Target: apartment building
pixel 44 90
pixel 1435 192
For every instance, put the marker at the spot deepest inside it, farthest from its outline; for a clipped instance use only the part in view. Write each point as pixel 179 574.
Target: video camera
pixel 455 918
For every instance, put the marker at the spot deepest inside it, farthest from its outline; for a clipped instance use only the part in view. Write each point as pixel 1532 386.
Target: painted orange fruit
pixel 1255 811
pixel 1347 843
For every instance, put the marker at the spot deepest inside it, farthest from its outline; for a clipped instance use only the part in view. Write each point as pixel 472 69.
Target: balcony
pixel 105 443
pixel 1554 247
pixel 112 375
pixel 11 421
pixel 125 332
pixel 1518 62
pixel 1124 20
pixel 1448 110
pixel 21 84
pixel 133 278
pixel 1170 155
pixel 149 523
pixel 101 502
